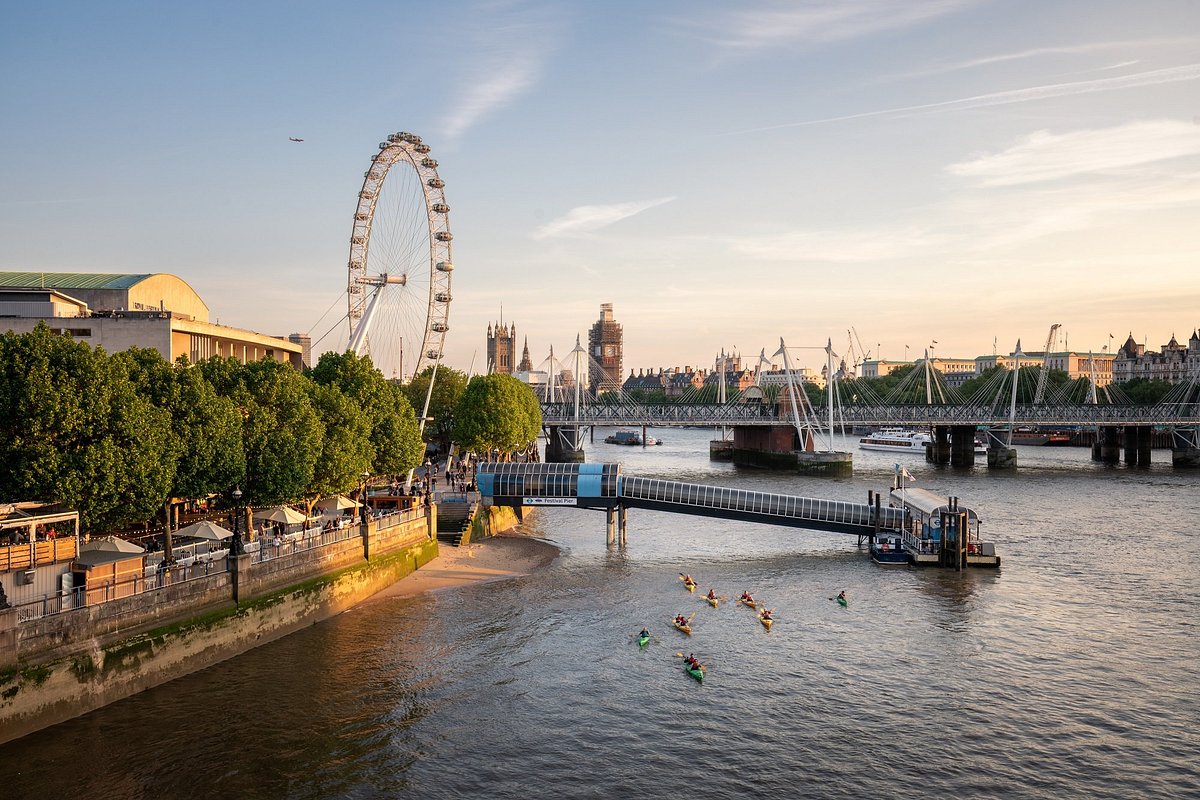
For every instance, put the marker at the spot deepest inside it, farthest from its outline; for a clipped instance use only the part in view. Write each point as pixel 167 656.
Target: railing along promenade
pixel 196 563
pixel 752 414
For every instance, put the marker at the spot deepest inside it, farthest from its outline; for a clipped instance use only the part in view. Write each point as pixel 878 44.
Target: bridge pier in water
pixel 953 445
pixel 781 447
pixel 1185 447
pixel 617 525
pixel 1137 445
pixel 563 445
pixel 1107 448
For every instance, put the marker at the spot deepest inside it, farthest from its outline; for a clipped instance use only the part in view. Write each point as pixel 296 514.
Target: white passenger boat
pixel 894 441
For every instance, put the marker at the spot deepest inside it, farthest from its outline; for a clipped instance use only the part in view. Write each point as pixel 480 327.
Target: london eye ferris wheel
pixel 398 283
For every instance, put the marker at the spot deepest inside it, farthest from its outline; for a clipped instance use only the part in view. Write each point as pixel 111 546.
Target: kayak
pixel 695 672
pixel 749 603
pixel 691 587
pixel 713 601
pixel 766 621
pixel 685 628
pixel 842 602
pixel 643 640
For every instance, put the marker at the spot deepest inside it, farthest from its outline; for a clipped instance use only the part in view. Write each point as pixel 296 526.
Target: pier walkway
pixel 603 486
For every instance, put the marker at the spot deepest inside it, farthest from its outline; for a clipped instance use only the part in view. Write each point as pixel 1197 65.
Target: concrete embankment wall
pixel 72 663
pixel 491 520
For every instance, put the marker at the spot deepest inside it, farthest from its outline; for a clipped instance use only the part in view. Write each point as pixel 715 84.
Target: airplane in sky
pixel 294 139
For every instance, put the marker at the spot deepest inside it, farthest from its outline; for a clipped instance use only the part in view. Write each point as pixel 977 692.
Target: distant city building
pixel 305 342
pixel 604 347
pixel 117 311
pixel 501 348
pixel 1174 363
pixel 647 381
pixel 880 368
pixel 1084 365
pixel 526 364
pixel 778 377
pixel 984 363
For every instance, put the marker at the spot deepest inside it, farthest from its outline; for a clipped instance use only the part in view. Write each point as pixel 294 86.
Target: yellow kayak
pixel 685 628
pixel 748 603
pixel 713 601
pixel 766 621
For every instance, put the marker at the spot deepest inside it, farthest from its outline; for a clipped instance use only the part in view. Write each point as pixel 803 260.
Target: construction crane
pixel 856 357
pixel 1040 393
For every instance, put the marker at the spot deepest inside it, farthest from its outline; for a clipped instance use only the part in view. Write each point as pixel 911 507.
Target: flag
pixel 904 473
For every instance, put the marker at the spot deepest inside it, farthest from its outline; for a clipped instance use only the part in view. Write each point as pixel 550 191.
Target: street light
pixel 235 544
pixel 362 497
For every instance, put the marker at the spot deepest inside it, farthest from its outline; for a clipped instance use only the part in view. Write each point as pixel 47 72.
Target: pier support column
pixel 1185 448
pixel 1001 457
pixel 962 446
pixel 622 524
pixel 563 446
pixel 938 451
pixel 1137 446
pixel 611 518
pixel 1107 448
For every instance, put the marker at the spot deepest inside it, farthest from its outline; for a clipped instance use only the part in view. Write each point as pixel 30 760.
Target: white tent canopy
pixel 284 514
pixel 205 530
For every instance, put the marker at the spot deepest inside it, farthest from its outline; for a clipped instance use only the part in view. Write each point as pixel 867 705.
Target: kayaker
pixel 766 614
pixel 842 596
pixel 747 597
pixel 712 595
pixel 681 620
pixel 645 633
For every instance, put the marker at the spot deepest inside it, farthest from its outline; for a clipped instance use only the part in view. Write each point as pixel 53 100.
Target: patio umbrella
pixel 337 503
pixel 205 530
pixel 112 544
pixel 284 514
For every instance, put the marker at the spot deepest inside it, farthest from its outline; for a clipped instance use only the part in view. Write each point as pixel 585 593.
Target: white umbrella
pixel 337 503
pixel 284 514
pixel 205 530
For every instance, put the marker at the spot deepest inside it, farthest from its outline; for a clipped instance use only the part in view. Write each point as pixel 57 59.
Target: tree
pixel 282 434
pixel 346 451
pixel 73 428
pixel 394 433
pixel 497 412
pixel 448 388
pixel 206 426
pixel 1144 391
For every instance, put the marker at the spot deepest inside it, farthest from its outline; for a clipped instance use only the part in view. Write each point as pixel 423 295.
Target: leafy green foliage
pixel 448 388
pixel 346 451
pixel 497 412
pixel 73 428
pixel 395 437
pixel 1144 391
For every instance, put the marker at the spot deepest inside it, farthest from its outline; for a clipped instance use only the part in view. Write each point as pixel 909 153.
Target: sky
pixel 965 172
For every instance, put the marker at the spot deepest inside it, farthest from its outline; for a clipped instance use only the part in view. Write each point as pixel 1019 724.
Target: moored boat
pixel 624 437
pixel 896 441
pixel 888 550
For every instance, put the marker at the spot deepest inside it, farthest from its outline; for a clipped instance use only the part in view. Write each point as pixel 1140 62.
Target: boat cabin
pixel 938 527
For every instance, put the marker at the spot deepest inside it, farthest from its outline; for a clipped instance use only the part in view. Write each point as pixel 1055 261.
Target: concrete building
pixel 117 311
pixel 778 377
pixel 1081 365
pixel 880 368
pixel 605 346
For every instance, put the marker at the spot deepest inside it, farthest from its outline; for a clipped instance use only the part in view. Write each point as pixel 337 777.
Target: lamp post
pixel 362 497
pixel 235 544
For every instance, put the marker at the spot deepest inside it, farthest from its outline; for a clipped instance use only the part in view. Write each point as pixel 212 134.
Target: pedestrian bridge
pixel 604 486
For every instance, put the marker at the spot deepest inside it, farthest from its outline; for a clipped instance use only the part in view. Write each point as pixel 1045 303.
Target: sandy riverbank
pixel 491 559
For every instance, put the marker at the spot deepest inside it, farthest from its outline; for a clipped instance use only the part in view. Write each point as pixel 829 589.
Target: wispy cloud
pixel 1039 52
pixel 509 56
pixel 583 220
pixel 1187 72
pixel 783 22
pixel 1044 156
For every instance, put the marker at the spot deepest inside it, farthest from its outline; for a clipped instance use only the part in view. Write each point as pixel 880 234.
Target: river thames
pixel 1073 671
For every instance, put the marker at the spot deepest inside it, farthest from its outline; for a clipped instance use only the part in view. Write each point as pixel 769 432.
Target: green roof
pixel 69 280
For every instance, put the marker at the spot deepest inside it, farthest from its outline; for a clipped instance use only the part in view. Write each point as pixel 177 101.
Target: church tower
pixel 526 364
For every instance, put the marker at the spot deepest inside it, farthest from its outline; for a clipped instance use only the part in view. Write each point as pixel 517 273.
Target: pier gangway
pixel 605 487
